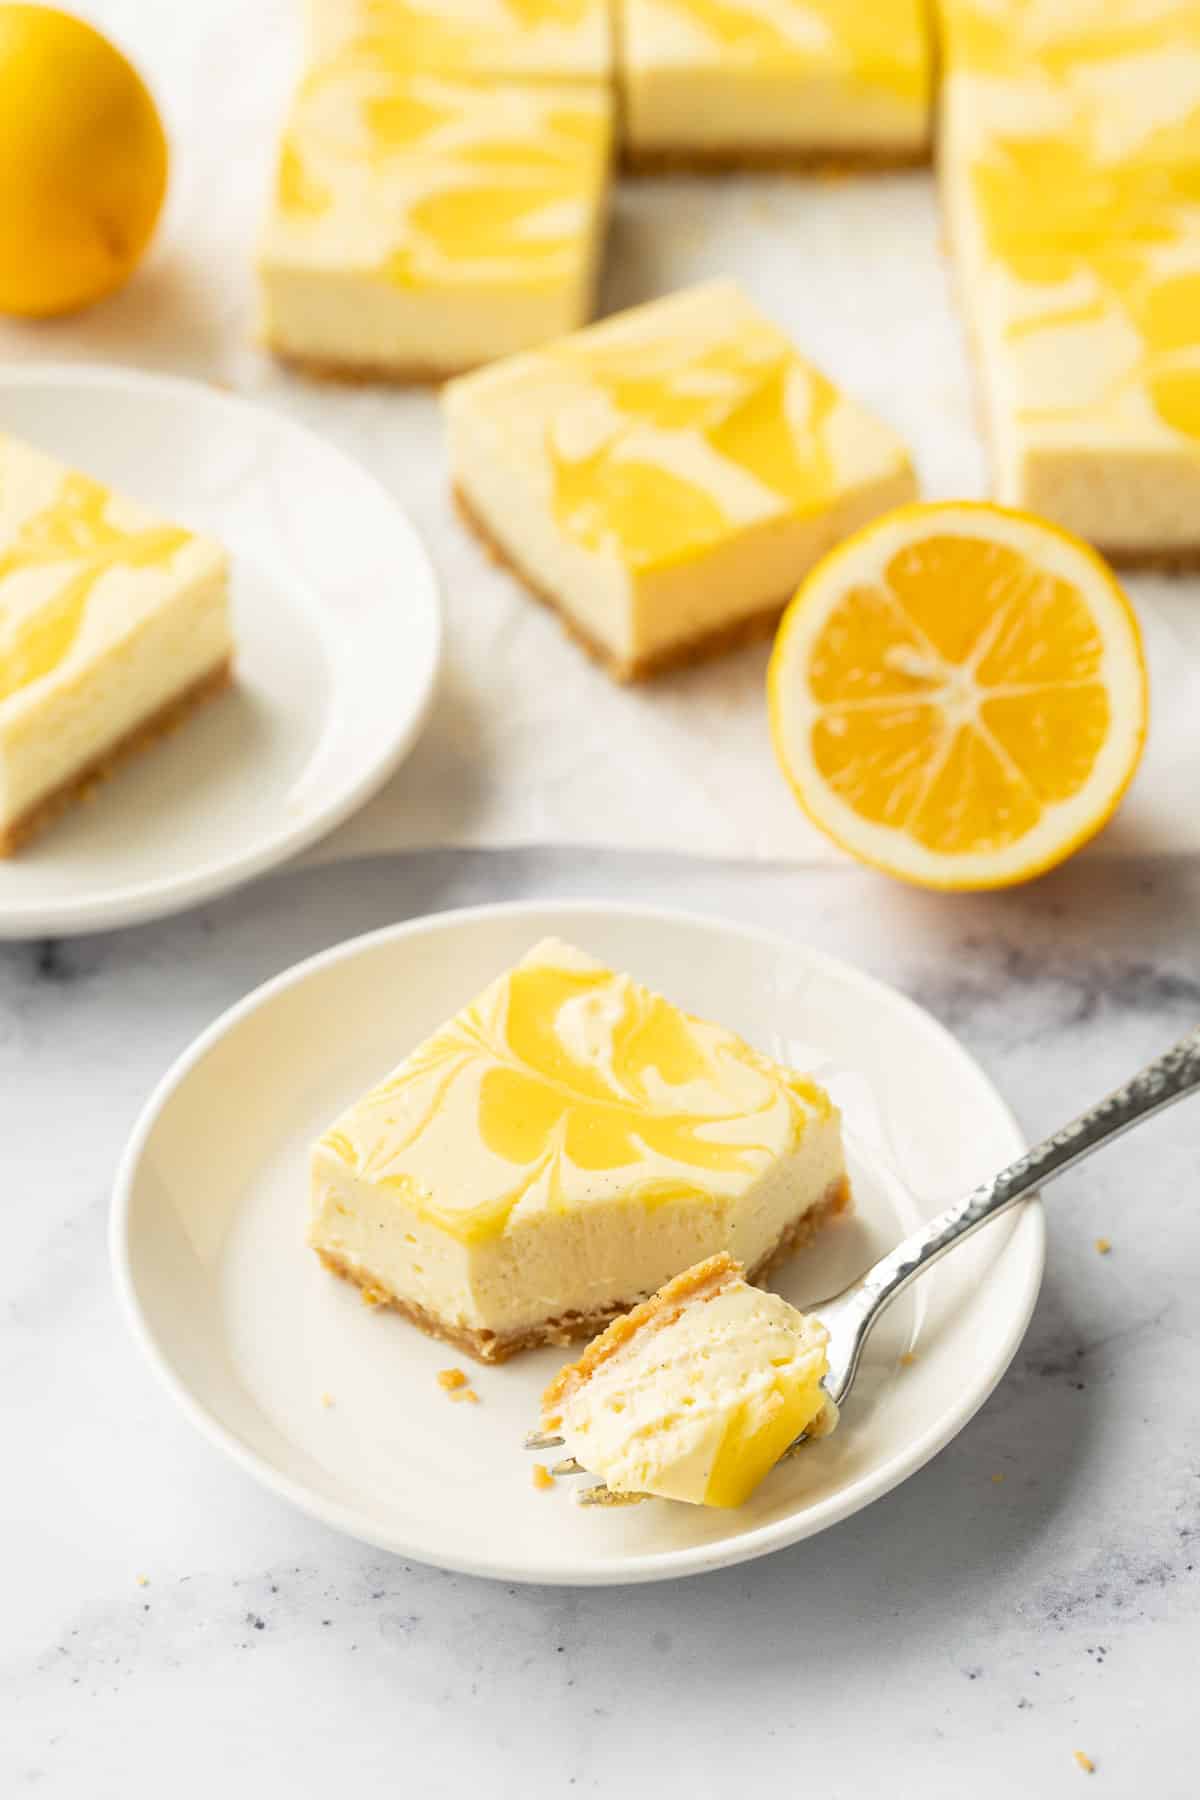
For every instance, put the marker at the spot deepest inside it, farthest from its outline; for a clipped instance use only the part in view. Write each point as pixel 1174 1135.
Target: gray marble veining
pixel 962 1636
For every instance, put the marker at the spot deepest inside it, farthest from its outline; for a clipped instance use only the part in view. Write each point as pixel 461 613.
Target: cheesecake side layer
pixel 786 550
pixel 353 326
pixel 78 787
pixel 570 1327
pixel 58 736
pixel 717 642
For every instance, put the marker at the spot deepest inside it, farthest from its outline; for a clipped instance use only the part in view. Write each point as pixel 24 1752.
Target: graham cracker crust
pixel 780 159
pixel 569 1327
pixel 701 648
pixel 1182 559
pixel 82 783
pixel 362 374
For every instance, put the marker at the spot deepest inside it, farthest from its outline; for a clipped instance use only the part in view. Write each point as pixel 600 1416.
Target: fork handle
pixel 1168 1078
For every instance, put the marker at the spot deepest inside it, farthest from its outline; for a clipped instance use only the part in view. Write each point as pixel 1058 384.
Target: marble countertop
pixel 961 1636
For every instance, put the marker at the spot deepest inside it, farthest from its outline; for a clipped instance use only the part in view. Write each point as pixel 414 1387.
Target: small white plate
pixel 249 1332
pixel 338 628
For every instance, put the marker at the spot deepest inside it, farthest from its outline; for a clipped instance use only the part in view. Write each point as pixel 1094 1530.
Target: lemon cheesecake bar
pixel 665 478
pixel 1071 170
pixel 113 625
pixel 422 224
pixel 514 40
pixel 695 1394
pixel 742 82
pixel 558 1150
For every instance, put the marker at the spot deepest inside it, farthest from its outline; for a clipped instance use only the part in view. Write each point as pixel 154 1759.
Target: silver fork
pixel 852 1315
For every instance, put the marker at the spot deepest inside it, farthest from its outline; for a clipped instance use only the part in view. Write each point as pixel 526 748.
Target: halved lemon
pixel 958 695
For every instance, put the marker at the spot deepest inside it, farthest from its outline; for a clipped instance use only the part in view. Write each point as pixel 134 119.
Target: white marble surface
pixel 530 743
pixel 961 1637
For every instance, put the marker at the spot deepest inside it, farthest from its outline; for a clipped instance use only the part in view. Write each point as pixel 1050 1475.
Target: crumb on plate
pixel 1104 1245
pixel 451 1378
pixel 1085 1762
pixel 908 1359
pixel 542 1479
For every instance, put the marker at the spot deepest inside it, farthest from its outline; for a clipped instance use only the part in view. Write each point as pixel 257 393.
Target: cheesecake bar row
pixel 697 81
pixel 441 190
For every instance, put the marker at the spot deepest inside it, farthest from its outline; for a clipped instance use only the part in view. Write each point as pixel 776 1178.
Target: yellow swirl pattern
pixel 1017 37
pixel 440 180
pixel 712 421
pixel 542 39
pixel 75 536
pixel 1089 205
pixel 565 1085
pixel 880 46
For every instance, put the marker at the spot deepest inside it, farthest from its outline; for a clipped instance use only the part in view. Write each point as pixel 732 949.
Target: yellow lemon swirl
pixel 576 1084
pixel 75 533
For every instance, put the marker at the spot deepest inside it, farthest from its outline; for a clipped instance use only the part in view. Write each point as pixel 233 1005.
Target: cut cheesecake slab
pixel 666 478
pixel 774 82
pixel 423 224
pixel 697 1393
pixel 514 40
pixel 1070 164
pixel 113 625
pixel 563 1146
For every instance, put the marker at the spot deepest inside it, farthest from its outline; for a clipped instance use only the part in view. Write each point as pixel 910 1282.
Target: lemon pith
pixel 958 695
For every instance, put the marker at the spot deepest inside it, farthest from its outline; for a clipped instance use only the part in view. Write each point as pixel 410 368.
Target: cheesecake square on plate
pixel 422 224
pixel 113 625
pixel 561 1148
pixel 727 83
pixel 665 478
pixel 521 40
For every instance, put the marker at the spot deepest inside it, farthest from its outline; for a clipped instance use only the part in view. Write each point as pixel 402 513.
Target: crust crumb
pixel 1085 1762
pixel 542 1479
pixel 1103 1246
pixel 451 1379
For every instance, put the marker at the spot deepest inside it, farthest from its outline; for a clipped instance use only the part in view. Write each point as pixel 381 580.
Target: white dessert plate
pixel 338 628
pixel 337 1408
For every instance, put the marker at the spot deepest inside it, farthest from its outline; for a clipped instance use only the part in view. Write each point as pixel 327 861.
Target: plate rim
pixel 170 894
pixel 1029 1224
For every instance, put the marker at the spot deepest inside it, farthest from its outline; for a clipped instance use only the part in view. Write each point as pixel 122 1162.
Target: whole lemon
pixel 83 163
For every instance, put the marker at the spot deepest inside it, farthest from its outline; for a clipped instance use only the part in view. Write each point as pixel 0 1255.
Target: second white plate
pixel 249 1332
pixel 338 629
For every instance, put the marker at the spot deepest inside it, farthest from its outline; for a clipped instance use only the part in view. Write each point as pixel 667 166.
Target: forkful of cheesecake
pixel 697 1393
